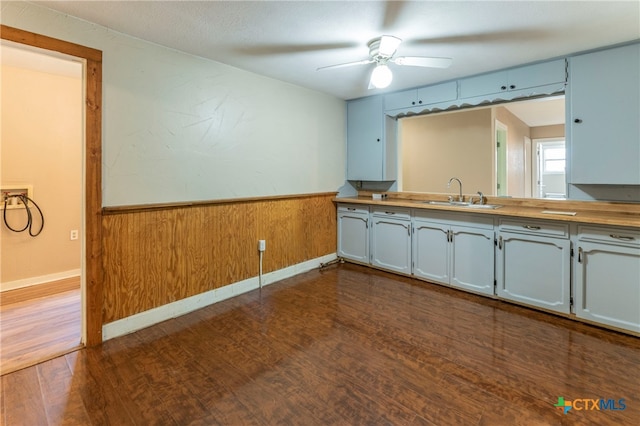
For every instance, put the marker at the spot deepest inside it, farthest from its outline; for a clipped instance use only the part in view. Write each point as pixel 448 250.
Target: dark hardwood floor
pixel 345 346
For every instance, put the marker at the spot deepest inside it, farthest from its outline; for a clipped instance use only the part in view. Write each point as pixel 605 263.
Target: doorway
pixel 550 168
pixel 501 159
pixel 91 259
pixel 42 151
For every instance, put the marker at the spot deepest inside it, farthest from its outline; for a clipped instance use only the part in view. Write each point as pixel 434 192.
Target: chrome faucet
pixel 460 198
pixel 480 201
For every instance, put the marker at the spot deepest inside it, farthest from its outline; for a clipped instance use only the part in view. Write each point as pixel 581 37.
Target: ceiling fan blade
pixel 421 61
pixel 347 64
pixel 392 12
pixel 388 45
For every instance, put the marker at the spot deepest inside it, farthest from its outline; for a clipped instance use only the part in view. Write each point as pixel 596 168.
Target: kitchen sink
pixel 463 204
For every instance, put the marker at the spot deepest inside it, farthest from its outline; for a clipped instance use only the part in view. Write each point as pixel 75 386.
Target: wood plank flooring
pixel 39 323
pixel 345 346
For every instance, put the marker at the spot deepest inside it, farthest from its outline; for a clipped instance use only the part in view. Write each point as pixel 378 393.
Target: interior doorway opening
pixel 550 168
pixel 501 159
pixel 43 142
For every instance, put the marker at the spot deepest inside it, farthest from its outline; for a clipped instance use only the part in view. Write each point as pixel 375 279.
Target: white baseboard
pixel 175 309
pixel 27 282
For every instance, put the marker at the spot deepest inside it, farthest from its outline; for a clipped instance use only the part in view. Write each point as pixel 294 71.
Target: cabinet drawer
pixel 534 227
pixel 353 208
pixel 628 237
pixel 392 212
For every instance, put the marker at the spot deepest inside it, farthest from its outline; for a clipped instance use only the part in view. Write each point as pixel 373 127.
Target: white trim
pixel 28 282
pixel 175 309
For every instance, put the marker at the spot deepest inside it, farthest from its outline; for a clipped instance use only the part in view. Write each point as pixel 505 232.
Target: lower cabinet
pixel 391 239
pixel 533 264
pixel 353 232
pixel 457 250
pixel 607 276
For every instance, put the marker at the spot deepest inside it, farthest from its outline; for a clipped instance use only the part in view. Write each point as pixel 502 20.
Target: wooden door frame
pixel 93 271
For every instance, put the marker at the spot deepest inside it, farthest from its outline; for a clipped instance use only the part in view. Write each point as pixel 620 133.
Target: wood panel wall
pixel 156 256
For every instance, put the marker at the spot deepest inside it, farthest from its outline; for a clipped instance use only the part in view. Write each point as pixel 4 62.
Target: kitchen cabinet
pixel 454 249
pixel 533 263
pixel 607 276
pixel 422 96
pixel 391 239
pixel 603 118
pixel 515 79
pixel 371 141
pixel 353 232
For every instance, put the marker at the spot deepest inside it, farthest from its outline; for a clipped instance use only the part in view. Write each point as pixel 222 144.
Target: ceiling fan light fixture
pixel 388 45
pixel 381 76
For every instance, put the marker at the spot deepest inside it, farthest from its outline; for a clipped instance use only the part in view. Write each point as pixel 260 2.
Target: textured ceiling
pixel 288 40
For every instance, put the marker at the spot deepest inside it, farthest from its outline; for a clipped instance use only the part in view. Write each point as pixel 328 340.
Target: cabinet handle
pixel 579 254
pixel 500 242
pixel 621 237
pixel 351 209
pixel 503 87
pixel 366 224
pixel 389 212
pixel 413 102
pixel 513 86
pixel 378 140
pixel 577 120
pixel 533 228
pixel 420 102
pixel 409 230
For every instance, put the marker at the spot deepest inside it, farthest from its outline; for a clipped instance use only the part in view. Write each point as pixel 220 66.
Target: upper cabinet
pixel 423 96
pixel 371 141
pixel 603 124
pixel 516 79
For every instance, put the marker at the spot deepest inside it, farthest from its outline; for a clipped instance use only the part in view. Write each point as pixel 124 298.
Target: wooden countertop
pixel 593 212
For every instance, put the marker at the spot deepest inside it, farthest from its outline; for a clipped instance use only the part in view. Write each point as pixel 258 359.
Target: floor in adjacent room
pixel 348 345
pixel 39 323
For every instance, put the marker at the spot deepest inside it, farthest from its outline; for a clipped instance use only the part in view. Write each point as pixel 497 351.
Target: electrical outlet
pixel 73 235
pixel 262 245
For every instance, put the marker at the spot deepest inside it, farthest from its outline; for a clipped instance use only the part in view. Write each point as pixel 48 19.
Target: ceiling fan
pixel 381 51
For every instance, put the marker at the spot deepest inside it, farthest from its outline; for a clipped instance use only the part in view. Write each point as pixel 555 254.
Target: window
pixel 553 160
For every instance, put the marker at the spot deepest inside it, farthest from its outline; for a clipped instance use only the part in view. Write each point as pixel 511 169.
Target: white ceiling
pixel 539 112
pixel 288 40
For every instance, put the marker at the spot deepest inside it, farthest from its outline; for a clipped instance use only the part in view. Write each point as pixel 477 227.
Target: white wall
pixel 180 128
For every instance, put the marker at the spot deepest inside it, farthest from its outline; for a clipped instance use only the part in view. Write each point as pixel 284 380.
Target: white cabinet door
pixel 391 243
pixel 483 84
pixel 603 122
pixel 537 75
pixel 448 252
pixel 431 251
pixel 422 96
pixel 353 233
pixel 437 93
pixel 534 270
pixel 607 277
pixel 516 79
pixel 371 141
pixel 472 259
pixel 404 99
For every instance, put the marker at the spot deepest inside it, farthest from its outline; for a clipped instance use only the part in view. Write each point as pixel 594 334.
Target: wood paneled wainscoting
pixel 158 254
